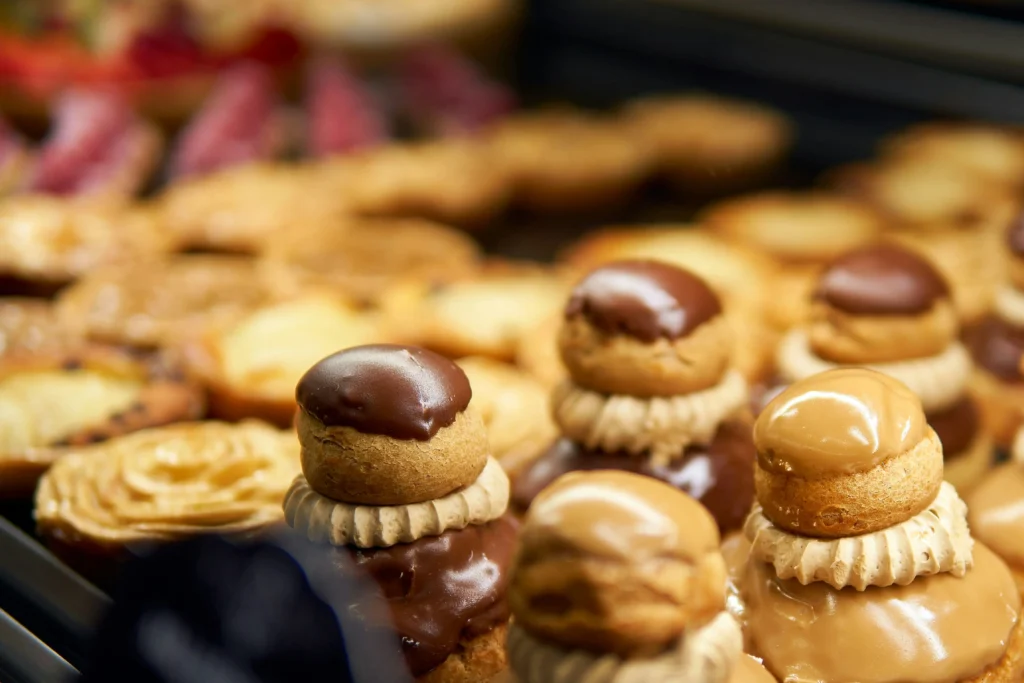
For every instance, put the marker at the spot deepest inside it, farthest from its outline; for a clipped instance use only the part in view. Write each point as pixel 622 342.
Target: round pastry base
pixel 477 659
pixel 1011 667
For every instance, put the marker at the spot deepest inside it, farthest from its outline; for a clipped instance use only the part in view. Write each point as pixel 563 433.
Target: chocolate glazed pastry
pixel 441 590
pixel 997 347
pixel 956 427
pixel 719 475
pixel 881 280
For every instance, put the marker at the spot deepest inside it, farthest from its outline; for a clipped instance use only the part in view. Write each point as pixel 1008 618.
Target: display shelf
pixel 26 659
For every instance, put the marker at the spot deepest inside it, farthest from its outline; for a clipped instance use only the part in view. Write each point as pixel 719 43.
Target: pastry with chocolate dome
pixel 619 578
pixel 397 478
pixel 862 566
pixel 885 307
pixel 651 389
pixel 997 346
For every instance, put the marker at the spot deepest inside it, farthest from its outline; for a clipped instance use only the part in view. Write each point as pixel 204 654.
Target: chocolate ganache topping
pixel 956 427
pixel 442 589
pixel 881 279
pixel 643 299
pixel 1015 236
pixel 403 392
pixel 997 347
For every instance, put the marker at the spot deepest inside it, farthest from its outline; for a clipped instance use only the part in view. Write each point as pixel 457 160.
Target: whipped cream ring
pixel 939 381
pixel 705 655
pixel 1010 305
pixel 661 426
pixel 936 540
pixel 328 521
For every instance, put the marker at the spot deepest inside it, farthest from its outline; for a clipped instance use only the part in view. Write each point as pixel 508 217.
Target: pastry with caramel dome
pixel 862 566
pixel 619 577
pixel 651 389
pixel 397 481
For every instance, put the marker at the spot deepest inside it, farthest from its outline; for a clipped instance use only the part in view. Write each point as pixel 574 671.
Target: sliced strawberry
pixel 447 94
pixel 341 113
pixel 239 122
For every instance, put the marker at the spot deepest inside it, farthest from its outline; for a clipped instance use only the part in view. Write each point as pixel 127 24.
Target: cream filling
pixel 939 381
pixel 324 520
pixel 1010 305
pixel 661 426
pixel 40 409
pixel 704 655
pixel 936 540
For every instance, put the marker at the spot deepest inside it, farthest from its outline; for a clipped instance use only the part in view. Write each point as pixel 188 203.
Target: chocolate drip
pixel 956 427
pixel 399 391
pixel 881 280
pixel 719 475
pixel 997 346
pixel 441 589
pixel 1015 236
pixel 643 299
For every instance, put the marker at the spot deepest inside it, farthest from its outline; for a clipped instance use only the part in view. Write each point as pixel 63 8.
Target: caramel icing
pixel 996 512
pixel 842 421
pixel 617 515
pixel 937 629
pixel 749 670
pixel 169 483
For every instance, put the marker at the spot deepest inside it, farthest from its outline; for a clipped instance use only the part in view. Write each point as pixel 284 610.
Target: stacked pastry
pixel 887 308
pixel 397 478
pixel 619 579
pixel 651 389
pixel 862 566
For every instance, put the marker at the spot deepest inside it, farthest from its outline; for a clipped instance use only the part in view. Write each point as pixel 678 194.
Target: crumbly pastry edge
pixel 327 521
pixel 704 655
pixel 660 426
pixel 936 540
pixel 939 381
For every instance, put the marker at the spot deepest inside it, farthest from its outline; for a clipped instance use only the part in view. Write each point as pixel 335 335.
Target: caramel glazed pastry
pixel 619 579
pixel 885 307
pixel 861 566
pixel 397 482
pixel 651 389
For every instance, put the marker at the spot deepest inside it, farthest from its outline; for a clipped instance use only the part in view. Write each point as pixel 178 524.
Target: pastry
pixel 994 153
pixel 885 307
pixel 481 315
pixel 537 352
pixel 158 302
pixel 48 242
pixel 651 389
pixel 949 214
pixel 710 145
pixel 54 400
pixel 619 578
pixel 514 407
pixel 862 566
pixel 606 167
pixel 397 480
pixel 163 485
pixel 237 209
pixel 250 364
pixel 802 232
pixel 369 255
pixel 28 325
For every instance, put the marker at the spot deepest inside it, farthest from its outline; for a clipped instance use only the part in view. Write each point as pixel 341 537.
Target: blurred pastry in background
pixel 953 216
pixel 886 307
pixel 52 400
pixel 47 242
pixel 16 159
pixel 537 352
pixel 342 115
pixel 155 303
pixel 514 407
pixel 31 325
pixel 161 485
pixel 604 169
pixel 366 256
pixel 250 365
pixel 238 209
pixel 482 315
pixel 801 231
pixel 711 145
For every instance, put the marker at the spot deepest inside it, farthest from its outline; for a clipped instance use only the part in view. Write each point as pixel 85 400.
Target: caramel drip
pixel 996 512
pixel 938 629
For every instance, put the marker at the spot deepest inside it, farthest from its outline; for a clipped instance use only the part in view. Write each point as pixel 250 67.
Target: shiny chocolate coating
pixel 997 347
pixel 403 392
pixel 1015 236
pixel 720 475
pixel 881 279
pixel 643 299
pixel 442 589
pixel 956 427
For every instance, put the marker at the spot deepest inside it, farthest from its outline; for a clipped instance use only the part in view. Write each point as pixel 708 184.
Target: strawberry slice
pixel 447 94
pixel 342 115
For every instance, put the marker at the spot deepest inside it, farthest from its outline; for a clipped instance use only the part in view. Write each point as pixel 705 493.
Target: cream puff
pixel 991 152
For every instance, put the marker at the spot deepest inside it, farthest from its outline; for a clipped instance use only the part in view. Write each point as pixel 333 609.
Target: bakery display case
pixel 512 342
